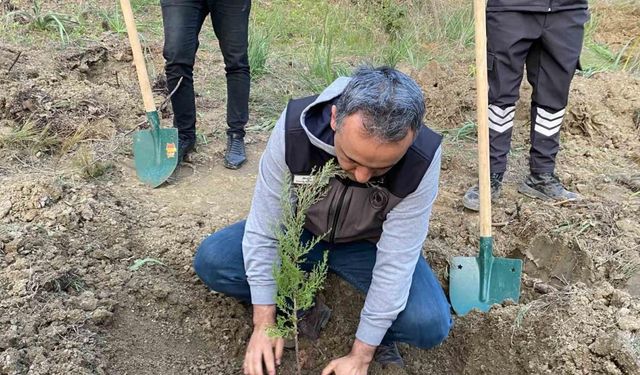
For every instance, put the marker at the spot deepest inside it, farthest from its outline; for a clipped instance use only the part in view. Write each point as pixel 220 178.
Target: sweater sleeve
pixel 259 245
pixel 397 256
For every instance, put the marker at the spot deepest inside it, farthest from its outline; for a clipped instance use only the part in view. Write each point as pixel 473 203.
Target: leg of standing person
pixel 182 21
pixel 231 24
pixel 550 69
pixel 510 35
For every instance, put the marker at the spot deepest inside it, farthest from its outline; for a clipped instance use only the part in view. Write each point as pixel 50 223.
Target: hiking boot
pixel 185 146
pixel 314 320
pixel 388 355
pixel 471 199
pixel 235 155
pixel 546 186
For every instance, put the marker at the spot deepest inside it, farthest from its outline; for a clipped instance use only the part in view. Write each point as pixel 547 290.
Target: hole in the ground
pixel 67 282
pixel 558 262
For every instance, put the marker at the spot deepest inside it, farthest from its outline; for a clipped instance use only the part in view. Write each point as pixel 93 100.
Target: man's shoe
pixel 471 199
pixel 388 355
pixel 185 146
pixel 546 186
pixel 314 320
pixel 235 155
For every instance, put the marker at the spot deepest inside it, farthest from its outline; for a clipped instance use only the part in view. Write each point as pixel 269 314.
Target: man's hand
pixel 261 346
pixel 355 363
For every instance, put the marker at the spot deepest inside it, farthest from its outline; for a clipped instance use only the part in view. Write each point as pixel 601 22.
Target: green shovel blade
pixel 479 282
pixel 155 152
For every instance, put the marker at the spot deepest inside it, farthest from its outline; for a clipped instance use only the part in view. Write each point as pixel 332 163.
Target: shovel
pixel 155 150
pixel 479 282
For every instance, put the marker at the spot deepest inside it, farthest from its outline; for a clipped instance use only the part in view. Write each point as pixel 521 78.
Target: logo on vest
pixel 302 179
pixel 378 198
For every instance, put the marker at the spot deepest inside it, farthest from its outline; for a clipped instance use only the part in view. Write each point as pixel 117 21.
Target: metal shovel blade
pixel 155 152
pixel 479 282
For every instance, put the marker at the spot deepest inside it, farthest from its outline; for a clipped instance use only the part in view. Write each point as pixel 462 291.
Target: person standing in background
pixel 547 35
pixel 183 21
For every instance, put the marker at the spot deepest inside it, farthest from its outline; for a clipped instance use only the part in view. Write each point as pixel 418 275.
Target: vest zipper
pixel 337 215
pixel 549 10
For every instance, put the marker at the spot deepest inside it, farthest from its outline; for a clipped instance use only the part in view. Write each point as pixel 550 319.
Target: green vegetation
pixel 38 19
pixel 598 57
pixel 297 288
pixel 89 166
pixel 258 52
pixel 141 262
pixel 297 49
pixel 113 20
pixel 31 138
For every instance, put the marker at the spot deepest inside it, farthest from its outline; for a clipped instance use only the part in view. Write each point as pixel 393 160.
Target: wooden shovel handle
pixel 138 58
pixel 482 103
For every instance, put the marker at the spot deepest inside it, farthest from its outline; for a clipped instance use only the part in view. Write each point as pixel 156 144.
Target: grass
pixel 629 269
pixel 66 282
pixel 404 49
pixel 299 48
pixel 467 132
pixel 31 138
pixel 457 27
pixel 597 57
pixel 258 52
pixel 322 68
pixel 578 227
pixel 305 55
pixel 113 20
pixel 141 262
pixel 39 19
pixel 89 166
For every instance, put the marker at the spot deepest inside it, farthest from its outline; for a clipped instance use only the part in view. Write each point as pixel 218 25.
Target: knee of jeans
pixel 177 56
pixel 430 329
pixel 208 265
pixel 237 64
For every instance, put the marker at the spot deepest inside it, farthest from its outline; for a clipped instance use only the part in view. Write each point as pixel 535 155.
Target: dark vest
pixel 352 211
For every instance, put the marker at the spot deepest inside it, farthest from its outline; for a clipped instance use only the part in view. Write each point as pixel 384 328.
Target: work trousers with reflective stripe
pixel 549 44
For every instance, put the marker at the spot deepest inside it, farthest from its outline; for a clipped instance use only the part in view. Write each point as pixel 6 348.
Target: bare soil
pixel 71 304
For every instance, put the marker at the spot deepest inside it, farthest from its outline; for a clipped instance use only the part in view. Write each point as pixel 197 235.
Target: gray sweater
pixel 398 249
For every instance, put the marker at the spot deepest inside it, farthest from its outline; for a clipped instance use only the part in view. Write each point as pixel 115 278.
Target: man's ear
pixel 334 111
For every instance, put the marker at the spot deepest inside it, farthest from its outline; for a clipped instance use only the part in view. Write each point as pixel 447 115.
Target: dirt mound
pixel 572 331
pixel 52 242
pixel 76 97
pixel 618 23
pixel 449 98
pixel 77 302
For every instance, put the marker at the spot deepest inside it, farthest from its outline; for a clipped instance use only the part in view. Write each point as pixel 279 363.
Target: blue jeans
pixel 424 323
pixel 182 20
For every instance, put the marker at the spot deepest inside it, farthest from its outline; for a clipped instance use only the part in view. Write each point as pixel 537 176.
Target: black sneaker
pixel 546 186
pixel 185 146
pixel 314 320
pixel 235 155
pixel 311 322
pixel 388 355
pixel 471 199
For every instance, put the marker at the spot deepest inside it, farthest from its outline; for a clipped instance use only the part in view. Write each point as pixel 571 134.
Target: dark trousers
pixel 550 45
pixel 183 20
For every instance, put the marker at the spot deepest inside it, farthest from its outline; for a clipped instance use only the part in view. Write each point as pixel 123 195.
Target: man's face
pixel 361 155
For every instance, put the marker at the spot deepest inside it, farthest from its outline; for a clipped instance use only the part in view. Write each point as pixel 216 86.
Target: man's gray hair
pixel 389 101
